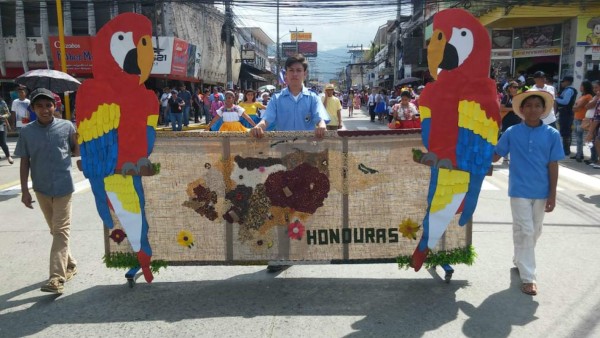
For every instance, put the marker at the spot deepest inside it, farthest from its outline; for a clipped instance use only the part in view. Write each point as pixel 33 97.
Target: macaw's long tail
pixel 102 202
pixel 447 189
pixel 126 195
pixel 471 199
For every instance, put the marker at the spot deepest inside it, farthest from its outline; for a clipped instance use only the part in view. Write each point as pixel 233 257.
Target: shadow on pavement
pixel 498 313
pixel 406 306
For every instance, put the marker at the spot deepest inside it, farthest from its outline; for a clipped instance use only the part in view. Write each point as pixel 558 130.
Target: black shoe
pixel 587 161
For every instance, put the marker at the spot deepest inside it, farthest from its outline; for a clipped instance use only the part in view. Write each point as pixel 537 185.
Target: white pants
pixel 528 216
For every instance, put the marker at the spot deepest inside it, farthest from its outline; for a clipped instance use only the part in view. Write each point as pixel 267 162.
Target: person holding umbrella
pixel 41 146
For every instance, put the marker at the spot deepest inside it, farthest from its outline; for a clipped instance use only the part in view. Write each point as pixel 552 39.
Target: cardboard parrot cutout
pixel 116 120
pixel 459 120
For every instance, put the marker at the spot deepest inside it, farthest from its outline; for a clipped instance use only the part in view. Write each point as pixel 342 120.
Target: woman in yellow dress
pixel 231 113
pixel 251 106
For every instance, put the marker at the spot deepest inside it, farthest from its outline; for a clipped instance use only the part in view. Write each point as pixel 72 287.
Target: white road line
pixel 80 186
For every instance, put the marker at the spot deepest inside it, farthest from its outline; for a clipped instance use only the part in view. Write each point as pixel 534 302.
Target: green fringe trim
pixel 128 260
pixel 455 256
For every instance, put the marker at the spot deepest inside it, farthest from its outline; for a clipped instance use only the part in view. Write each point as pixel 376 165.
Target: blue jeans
pixel 176 117
pixel 186 115
pixel 578 139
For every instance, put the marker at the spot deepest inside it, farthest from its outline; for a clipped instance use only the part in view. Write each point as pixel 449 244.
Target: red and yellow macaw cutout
pixel 116 120
pixel 459 119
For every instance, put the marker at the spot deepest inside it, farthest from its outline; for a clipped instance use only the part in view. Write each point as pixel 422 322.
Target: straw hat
pixel 329 86
pixel 548 101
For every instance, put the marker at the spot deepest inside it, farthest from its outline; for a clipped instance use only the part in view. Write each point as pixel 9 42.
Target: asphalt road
pixel 375 300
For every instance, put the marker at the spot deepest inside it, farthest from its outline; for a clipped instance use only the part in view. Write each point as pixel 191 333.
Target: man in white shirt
pixel 371 104
pixel 164 107
pixel 19 108
pixel 540 84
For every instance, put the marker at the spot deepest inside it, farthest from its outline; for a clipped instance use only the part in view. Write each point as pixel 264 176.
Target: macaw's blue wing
pixel 98 139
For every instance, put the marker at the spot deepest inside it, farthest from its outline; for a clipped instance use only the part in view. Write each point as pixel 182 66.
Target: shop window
pixel 32 18
pixel 537 37
pixel 8 19
pixel 52 18
pixel 102 11
pixel 79 17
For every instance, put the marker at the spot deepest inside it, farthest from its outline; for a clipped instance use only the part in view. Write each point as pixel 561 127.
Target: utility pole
pixel 296 37
pixel 228 27
pixel 278 55
pixel 398 37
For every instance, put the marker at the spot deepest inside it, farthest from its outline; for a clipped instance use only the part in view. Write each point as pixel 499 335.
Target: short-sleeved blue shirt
pixel 49 151
pixel 290 115
pixel 531 150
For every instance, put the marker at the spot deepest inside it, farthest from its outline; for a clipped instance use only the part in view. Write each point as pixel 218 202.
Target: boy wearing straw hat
pixel 535 149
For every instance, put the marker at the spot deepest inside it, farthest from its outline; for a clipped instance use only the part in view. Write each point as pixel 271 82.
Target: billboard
pixel 306 48
pixel 180 57
pixel 163 53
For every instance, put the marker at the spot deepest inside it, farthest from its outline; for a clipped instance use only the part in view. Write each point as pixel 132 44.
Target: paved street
pixel 376 300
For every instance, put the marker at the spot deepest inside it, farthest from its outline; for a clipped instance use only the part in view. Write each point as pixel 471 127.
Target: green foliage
pixel 417 154
pixel 456 256
pixel 156 168
pixel 128 260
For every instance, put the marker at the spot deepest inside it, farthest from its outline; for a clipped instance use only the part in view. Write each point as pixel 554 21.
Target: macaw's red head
pixel 459 46
pixel 123 49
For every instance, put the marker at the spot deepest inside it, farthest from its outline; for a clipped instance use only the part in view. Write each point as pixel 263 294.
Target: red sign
pixel 78 50
pixel 308 49
pixel 180 57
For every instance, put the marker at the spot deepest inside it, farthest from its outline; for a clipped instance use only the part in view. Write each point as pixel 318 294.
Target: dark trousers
pixel 372 112
pixel 3 144
pixel 565 126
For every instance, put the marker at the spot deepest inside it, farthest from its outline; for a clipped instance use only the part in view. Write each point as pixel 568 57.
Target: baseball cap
pixel 173 92
pixel 41 93
pixel 567 78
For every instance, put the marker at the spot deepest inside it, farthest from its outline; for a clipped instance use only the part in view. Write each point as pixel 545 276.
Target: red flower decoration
pixel 117 235
pixel 295 230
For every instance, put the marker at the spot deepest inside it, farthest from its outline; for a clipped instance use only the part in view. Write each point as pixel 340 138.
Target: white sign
pixel 163 54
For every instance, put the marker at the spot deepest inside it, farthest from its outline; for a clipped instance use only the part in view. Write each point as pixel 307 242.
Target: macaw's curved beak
pixel 145 57
pixel 435 52
pixel 441 54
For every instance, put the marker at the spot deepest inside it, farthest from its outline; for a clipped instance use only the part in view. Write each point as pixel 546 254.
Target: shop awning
pixel 256 77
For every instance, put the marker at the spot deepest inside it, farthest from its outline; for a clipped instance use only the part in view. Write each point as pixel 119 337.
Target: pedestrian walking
pixel 334 108
pixel 42 146
pixel 230 113
pixel 535 149
pixel 176 105
pixel 587 93
pixel 4 129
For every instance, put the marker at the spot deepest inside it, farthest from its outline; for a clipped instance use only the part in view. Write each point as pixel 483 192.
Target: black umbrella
pixel 53 80
pixel 408 80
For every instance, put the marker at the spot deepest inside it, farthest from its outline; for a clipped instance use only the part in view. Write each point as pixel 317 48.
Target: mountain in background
pixel 327 65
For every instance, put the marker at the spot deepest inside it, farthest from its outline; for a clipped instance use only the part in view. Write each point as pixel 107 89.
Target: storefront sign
pixel 78 51
pixel 499 54
pixel 526 53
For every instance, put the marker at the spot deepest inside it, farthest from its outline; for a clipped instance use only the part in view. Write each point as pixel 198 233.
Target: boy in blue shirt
pixel 535 149
pixel 295 108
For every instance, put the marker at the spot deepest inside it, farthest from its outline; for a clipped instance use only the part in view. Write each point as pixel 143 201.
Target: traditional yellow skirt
pixel 232 126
